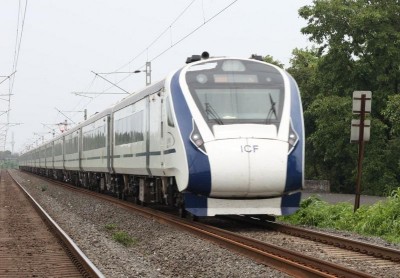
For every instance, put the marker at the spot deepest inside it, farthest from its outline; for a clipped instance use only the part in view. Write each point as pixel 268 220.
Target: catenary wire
pixel 179 41
pixel 167 49
pixel 138 55
pixel 16 58
pixel 15 63
pixel 158 37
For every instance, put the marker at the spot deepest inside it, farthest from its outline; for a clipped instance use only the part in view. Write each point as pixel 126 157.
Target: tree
pixel 271 60
pixel 304 64
pixel 334 158
pixel 359 30
pixel 356 48
pixel 392 114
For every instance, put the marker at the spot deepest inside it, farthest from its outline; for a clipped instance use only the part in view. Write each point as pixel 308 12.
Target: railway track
pixel 285 260
pixel 380 260
pixel 328 239
pixel 31 243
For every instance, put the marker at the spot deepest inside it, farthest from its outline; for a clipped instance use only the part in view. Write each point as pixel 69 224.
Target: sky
pixel 59 44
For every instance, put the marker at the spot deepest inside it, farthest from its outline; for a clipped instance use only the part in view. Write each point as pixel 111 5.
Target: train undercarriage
pixel 142 190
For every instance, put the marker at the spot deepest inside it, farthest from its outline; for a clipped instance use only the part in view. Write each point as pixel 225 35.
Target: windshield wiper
pixel 211 111
pixel 272 111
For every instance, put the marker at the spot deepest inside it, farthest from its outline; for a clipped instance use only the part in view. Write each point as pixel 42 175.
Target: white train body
pixel 219 136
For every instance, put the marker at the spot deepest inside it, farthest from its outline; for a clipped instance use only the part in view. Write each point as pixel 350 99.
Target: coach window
pixel 129 129
pixel 57 149
pixel 94 138
pixel 48 152
pixel 71 145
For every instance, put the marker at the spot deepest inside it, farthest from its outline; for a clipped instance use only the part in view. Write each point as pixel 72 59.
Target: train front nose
pixel 247 167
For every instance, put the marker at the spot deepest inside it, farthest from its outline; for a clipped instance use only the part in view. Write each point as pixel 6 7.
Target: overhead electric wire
pixel 16 36
pixel 7 77
pixel 179 41
pixel 166 50
pixel 158 37
pixel 141 53
pixel 195 30
pixel 17 52
pixel 85 105
pixel 11 77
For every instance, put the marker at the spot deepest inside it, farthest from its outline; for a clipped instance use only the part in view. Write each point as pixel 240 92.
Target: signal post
pixel 360 133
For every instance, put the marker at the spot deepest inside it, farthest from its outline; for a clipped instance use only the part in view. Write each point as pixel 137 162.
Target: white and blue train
pixel 219 136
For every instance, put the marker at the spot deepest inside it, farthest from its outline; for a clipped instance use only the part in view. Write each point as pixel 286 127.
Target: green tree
pixel 361 38
pixel 392 114
pixel 356 48
pixel 303 68
pixel 271 60
pixel 334 157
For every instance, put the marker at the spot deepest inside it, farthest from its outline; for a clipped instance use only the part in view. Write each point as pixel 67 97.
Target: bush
pixel 120 236
pixel 381 219
pixel 123 238
pixel 111 227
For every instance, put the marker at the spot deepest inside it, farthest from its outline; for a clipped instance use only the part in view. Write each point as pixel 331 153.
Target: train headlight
pixel 293 138
pixel 196 139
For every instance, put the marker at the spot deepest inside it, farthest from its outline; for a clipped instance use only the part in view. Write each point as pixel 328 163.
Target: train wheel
pixel 182 211
pixel 193 217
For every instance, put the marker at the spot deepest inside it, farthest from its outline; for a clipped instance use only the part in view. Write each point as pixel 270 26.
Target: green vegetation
pixel 43 187
pixel 355 47
pixel 8 160
pixel 120 236
pixel 111 227
pixel 123 238
pixel 381 219
pixel 9 164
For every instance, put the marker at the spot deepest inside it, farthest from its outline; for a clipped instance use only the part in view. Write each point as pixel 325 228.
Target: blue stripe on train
pixel 198 163
pixel 294 174
pixel 290 203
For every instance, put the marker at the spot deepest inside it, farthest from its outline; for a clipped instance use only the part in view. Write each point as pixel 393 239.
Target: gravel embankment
pixel 159 251
pixel 360 262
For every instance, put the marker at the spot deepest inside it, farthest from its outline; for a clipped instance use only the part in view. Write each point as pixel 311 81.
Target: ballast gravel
pixel 158 250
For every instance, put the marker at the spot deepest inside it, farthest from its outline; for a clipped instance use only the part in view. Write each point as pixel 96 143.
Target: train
pixel 218 136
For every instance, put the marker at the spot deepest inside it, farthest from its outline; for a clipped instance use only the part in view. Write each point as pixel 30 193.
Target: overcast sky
pixel 63 41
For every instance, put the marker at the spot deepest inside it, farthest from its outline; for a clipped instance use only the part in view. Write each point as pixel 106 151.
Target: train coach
pixel 218 136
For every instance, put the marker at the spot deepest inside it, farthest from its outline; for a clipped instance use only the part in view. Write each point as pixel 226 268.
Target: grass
pixel 111 227
pixel 44 188
pixel 120 236
pixel 381 219
pixel 123 238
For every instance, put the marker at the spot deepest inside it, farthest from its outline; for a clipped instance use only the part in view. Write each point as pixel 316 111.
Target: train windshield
pixel 237 91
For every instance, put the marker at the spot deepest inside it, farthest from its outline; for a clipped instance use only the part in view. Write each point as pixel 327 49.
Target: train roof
pixel 134 97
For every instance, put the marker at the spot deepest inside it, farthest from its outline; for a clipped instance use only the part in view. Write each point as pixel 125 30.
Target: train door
pixel 162 127
pixel 155 136
pixel 166 125
pixel 168 131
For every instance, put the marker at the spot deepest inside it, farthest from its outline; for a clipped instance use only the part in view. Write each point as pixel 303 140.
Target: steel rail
pixel 285 260
pixel 328 239
pixel 349 244
pixel 85 266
